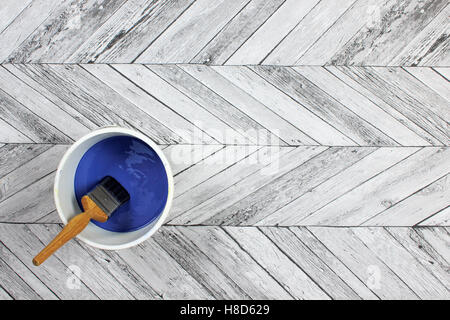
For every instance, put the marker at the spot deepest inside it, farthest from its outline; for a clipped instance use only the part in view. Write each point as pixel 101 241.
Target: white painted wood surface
pixel 310 32
pixel 309 142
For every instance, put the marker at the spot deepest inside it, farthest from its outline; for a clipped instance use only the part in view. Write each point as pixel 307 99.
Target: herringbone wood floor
pixel 346 101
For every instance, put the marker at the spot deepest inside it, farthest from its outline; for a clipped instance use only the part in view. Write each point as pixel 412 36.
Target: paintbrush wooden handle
pixel 72 228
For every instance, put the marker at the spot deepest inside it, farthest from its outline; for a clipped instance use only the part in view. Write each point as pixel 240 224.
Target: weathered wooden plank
pixel 63 32
pixel 389 106
pixel 246 128
pixel 129 31
pixel 417 207
pixel 335 186
pixel 93 275
pixel 308 261
pixel 438 238
pixel 53 273
pixel 226 133
pixel 203 20
pixel 385 189
pixel 360 105
pixel 445 72
pixel 297 115
pixel 181 157
pixel 97 101
pixel 441 218
pixel 12 156
pixel 115 103
pixel 432 79
pixel 222 181
pixel 41 106
pixel 277 193
pixel 236 263
pixel 438 53
pixel 198 264
pixel 247 104
pixel 122 271
pixel 364 263
pixel 144 101
pixel 31 203
pixel 400 261
pixel 8 134
pixel 28 123
pixel 440 56
pixel 72 91
pixel 421 94
pixel 4 295
pixel 392 27
pixel 51 217
pixel 205 212
pixel 17 288
pixel 236 32
pixel 342 271
pixel 205 122
pixel 398 99
pixel 205 169
pixel 344 122
pixel 162 272
pixel 306 32
pixel 40 166
pixel 26 23
pixel 10 10
pixel 272 32
pixel 39 85
pixel 427 44
pixel 275 262
pixel 422 252
pixel 345 27
pixel 26 274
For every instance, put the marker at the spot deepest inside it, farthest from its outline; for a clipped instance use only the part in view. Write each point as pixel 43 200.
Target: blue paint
pixel 138 168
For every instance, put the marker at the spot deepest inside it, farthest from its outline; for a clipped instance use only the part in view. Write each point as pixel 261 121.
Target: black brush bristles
pixel 109 195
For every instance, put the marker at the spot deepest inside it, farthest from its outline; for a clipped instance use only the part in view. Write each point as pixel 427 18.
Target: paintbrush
pixel 99 204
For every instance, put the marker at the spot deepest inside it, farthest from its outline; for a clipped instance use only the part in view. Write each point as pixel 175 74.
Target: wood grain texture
pixel 344 121
pixel 430 45
pixel 309 142
pixel 25 273
pixel 215 262
pixel 10 10
pixel 280 32
pixel 26 23
pixel 203 20
pixel 432 79
pixel 307 260
pixel 246 129
pixel 24 244
pixel 337 185
pixel 361 105
pixel 393 97
pixel 384 190
pixel 440 218
pixel 28 123
pixel 131 30
pixel 264 186
pixel 393 25
pixel 236 32
pixel 416 277
pixel 345 106
pixel 272 32
pixel 306 32
pixel 72 20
